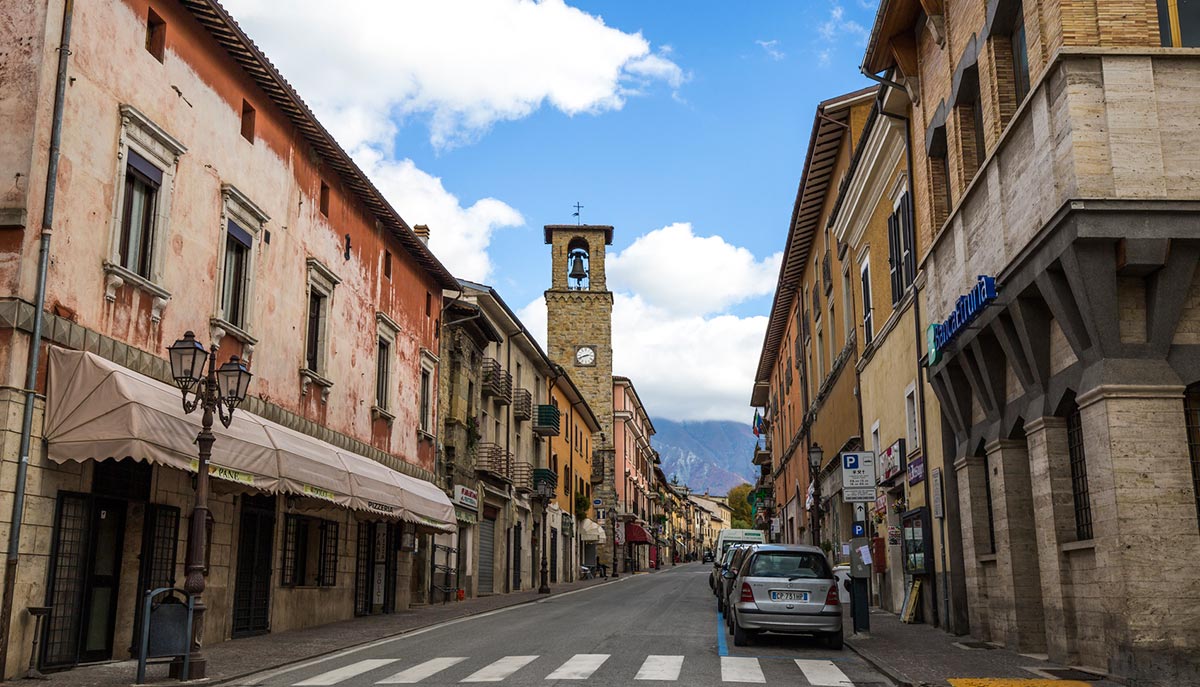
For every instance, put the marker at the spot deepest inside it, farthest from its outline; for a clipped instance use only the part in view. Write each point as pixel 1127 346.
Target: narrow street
pixel 660 627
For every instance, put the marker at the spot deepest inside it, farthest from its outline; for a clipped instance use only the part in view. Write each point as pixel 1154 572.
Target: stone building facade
pixel 1053 155
pixel 579 337
pixel 514 378
pixel 195 191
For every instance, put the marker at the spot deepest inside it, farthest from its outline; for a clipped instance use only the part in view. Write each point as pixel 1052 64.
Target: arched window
pixel 578 265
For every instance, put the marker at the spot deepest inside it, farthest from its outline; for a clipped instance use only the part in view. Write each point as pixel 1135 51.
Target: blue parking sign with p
pixel 850 461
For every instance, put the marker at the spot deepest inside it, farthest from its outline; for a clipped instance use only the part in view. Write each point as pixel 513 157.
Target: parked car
pixel 729 573
pixel 714 576
pixel 784 588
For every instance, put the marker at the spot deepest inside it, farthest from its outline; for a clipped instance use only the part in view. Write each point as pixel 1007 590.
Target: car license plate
pixel 790 596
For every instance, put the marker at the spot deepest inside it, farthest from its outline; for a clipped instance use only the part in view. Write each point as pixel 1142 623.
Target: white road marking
pixel 739 669
pixel 823 673
pixel 500 669
pixel 271 673
pixel 660 668
pixel 345 672
pixel 422 670
pixel 578 667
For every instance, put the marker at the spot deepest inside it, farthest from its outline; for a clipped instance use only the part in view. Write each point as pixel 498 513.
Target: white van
pixel 727 537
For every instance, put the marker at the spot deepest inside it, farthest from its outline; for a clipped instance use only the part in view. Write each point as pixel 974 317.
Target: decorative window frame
pixel 386 330
pixel 429 363
pixel 152 142
pixel 868 316
pixel 236 206
pixel 324 281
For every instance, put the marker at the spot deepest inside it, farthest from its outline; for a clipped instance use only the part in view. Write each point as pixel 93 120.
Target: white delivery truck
pixel 727 537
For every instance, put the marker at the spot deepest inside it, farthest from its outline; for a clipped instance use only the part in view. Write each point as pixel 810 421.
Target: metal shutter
pixel 487 555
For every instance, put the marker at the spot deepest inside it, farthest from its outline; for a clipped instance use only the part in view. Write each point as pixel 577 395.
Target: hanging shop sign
pixel 965 310
pixel 935 491
pixel 468 498
pixel 916 470
pixel 891 461
pixel 858 477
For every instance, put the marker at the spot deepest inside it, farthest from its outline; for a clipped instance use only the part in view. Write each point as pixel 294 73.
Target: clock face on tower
pixel 585 355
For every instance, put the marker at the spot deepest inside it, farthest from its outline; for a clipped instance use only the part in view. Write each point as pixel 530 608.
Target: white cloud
pixel 672 334
pixel 838 29
pixel 771 47
pixel 458 235
pixel 675 270
pixel 461 65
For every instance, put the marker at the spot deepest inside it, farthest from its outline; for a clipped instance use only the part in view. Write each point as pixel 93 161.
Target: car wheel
pixel 740 637
pixel 834 641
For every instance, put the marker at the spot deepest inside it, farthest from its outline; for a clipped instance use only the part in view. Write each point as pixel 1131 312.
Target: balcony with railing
pixel 497 382
pixel 492 459
pixel 522 477
pixel 762 456
pixel 522 405
pixel 546 421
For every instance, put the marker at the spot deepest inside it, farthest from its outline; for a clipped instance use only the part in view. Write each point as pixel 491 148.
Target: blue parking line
pixel 722 648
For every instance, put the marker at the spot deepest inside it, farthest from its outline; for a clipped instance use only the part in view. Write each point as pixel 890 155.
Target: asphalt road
pixel 642 629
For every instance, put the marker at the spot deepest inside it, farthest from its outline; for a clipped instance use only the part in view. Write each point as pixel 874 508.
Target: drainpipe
pixel 918 339
pixel 35 340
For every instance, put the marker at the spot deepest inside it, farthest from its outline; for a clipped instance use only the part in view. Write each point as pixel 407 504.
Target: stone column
pixel 1016 602
pixel 1146 534
pixel 972 496
pixel 1054 519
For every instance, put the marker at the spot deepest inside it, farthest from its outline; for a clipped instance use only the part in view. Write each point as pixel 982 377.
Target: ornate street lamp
pixel 545 483
pixel 213 388
pixel 815 457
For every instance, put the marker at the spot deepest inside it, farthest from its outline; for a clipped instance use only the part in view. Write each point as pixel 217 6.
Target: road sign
pixel 597 502
pixel 858 529
pixel 858 477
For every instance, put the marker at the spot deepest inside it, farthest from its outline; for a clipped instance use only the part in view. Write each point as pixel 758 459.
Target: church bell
pixel 578 273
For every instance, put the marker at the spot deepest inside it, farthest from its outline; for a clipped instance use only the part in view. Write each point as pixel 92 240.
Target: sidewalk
pixel 919 655
pixel 237 658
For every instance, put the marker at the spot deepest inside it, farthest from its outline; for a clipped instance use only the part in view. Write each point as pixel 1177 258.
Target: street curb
pixel 900 679
pixel 267 669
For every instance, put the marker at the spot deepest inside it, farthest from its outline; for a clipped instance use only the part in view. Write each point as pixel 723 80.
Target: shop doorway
pixel 554 554
pixel 487 556
pixel 252 585
pixel 85 573
pixel 375 568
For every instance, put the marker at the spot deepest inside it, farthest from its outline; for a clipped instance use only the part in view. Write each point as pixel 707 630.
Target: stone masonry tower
pixel 579 335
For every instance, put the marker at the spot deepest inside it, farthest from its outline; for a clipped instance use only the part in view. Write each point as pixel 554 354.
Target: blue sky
pixel 488 118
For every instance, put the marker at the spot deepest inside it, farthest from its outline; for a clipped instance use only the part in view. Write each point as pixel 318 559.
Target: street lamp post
pixel 815 457
pixel 545 490
pixel 615 572
pixel 212 388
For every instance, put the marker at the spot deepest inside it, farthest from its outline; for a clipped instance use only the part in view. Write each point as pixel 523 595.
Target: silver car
pixel 784 588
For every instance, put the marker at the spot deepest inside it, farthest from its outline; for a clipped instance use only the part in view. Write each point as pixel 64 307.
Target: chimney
pixel 422 232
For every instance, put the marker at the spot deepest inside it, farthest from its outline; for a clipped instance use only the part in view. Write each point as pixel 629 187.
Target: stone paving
pixel 919 655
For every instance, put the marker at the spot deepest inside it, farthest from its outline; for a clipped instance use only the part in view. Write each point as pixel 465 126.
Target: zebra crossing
pixel 655 668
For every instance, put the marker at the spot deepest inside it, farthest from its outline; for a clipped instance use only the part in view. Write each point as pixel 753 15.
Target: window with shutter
pixel 895 271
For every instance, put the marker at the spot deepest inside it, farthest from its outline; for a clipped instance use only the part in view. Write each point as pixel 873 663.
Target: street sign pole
pixel 858 488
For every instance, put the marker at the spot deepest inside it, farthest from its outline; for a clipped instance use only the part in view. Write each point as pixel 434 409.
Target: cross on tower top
pixel 578 207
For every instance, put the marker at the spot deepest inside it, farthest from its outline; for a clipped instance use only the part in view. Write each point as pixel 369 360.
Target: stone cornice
pixel 1105 391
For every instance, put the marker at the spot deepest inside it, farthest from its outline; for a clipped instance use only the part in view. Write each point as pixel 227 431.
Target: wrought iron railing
pixel 522 405
pixel 522 476
pixel 492 458
pixel 497 382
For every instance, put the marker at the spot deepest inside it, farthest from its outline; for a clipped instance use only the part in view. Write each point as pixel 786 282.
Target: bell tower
pixel 579 335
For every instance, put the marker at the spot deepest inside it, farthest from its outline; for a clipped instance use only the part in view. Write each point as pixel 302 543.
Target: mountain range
pixel 712 456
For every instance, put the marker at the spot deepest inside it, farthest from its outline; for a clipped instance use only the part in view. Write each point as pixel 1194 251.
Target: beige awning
pixel 97 409
pixel 590 530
